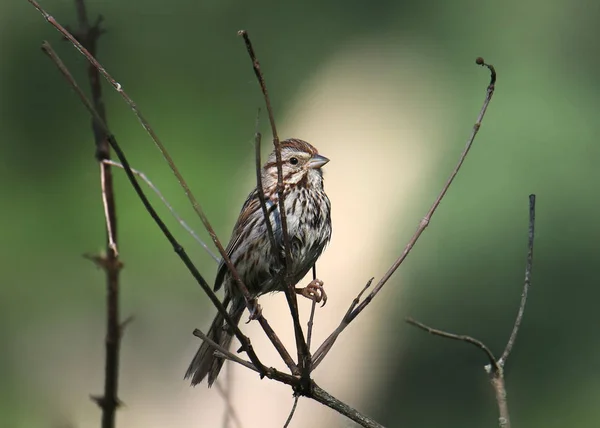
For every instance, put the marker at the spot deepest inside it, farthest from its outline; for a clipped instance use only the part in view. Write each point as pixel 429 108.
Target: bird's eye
pixel 294 161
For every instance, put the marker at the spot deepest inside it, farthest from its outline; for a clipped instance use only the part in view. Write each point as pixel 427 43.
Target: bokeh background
pixel 389 91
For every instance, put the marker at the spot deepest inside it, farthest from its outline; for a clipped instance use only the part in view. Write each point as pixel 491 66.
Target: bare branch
pixel 109 401
pixel 517 325
pixel 311 317
pixel 462 338
pixel 261 193
pixel 290 292
pixel 329 400
pixel 226 353
pixel 328 343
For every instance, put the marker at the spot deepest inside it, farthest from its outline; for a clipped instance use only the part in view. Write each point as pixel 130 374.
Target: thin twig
pixel 527 283
pixel 180 220
pixel 251 303
pixel 459 337
pixel 311 318
pixel 328 343
pixel 246 345
pixel 290 292
pixel 291 415
pixel 225 352
pixel 425 221
pixel 261 194
pixel 112 245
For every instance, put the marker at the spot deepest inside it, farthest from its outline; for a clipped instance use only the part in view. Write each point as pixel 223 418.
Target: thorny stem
pixel 109 401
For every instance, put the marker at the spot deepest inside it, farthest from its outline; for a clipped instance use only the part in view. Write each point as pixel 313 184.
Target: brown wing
pixel 251 205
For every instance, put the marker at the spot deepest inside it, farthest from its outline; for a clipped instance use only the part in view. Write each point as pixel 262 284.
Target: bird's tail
pixel 205 362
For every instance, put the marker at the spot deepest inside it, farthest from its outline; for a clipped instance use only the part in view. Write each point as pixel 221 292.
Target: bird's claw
pixel 314 291
pixel 255 313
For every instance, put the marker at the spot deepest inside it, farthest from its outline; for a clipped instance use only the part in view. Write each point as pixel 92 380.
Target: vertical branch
pixel 88 35
pixel 525 292
pixel 290 294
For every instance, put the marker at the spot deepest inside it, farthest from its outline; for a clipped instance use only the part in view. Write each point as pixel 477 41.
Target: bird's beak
pixel 317 161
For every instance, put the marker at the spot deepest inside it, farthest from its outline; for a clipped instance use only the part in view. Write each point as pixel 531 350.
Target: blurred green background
pixel 187 70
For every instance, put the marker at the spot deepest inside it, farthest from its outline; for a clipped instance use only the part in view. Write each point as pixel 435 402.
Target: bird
pixel 308 219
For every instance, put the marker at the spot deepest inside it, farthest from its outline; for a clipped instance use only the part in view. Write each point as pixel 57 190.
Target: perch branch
pixel 309 330
pixel 290 293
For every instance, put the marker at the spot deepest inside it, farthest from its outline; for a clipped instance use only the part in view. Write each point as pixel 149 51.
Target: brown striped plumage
pixel 308 212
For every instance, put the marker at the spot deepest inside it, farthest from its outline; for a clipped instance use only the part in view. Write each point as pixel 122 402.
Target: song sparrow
pixel 309 228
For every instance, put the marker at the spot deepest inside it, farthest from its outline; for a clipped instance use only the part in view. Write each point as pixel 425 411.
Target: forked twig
pixel 495 368
pixel 357 309
pixel 226 353
pixel 462 338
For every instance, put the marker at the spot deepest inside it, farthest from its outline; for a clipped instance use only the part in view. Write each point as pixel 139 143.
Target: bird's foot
pixel 314 291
